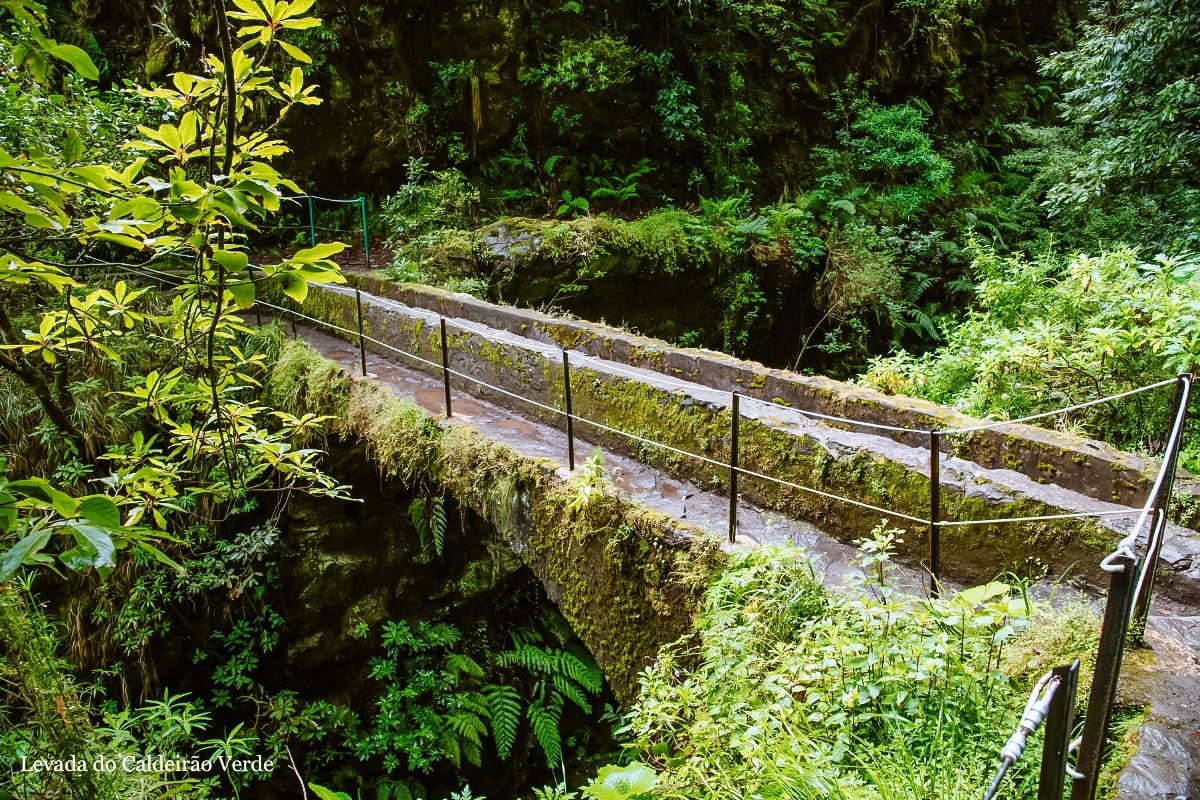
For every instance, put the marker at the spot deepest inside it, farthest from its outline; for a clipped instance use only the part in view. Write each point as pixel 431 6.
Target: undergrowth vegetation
pixel 787 690
pixel 1052 332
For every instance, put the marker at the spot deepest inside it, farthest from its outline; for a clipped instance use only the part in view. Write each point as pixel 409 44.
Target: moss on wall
pixel 628 579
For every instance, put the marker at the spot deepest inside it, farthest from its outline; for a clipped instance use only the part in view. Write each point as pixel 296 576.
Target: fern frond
pixel 438 525
pixel 452 747
pixel 416 513
pixel 473 753
pixel 584 672
pixel 394 790
pixel 468 726
pixel 571 691
pixel 504 706
pixel 543 719
pixel 533 658
pixel 458 664
pixel 474 702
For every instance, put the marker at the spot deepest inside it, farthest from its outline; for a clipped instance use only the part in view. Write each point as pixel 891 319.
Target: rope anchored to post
pixel 1035 713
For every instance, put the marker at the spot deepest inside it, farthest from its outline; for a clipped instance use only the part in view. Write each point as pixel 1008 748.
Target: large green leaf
pixel 21 552
pixel 294 286
pixel 100 542
pixel 79 60
pixel 242 292
pixel 40 489
pixel 319 252
pixel 100 510
pixel 621 783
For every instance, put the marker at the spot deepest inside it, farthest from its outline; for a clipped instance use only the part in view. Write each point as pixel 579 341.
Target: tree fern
pixel 504 707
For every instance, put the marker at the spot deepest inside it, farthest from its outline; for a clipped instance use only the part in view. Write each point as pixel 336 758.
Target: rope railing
pixel 617 369
pixel 1131 577
pixel 1065 410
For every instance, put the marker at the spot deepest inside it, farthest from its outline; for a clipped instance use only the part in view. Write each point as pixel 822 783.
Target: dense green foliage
pixel 814 184
pixel 789 691
pixel 1051 334
pixel 1131 91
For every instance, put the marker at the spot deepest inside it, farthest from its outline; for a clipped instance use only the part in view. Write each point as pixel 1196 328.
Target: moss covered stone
pixel 627 579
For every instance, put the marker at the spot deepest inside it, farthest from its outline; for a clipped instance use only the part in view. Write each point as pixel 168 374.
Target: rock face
pixel 359 563
pixel 740 93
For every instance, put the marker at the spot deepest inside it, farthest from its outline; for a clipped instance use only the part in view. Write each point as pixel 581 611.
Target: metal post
pixel 733 469
pixel 1059 722
pixel 570 411
pixel 366 245
pixel 935 511
pixel 446 366
pixel 293 304
pixel 312 223
pixel 1104 682
pixel 362 344
pixel 1141 602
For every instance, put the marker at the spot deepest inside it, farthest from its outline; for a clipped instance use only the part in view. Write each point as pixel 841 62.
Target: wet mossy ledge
pixel 1090 467
pixel 872 470
pixel 628 579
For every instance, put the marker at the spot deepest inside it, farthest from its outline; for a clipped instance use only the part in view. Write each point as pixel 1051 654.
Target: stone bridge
pixel 630 578
pixel 681 398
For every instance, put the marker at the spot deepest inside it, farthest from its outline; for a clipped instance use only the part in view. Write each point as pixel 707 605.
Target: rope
pixel 318 197
pixel 1077 515
pixel 528 400
pixel 1124 547
pixel 1066 410
pixel 644 440
pixel 863 423
pixel 613 367
pixel 885 511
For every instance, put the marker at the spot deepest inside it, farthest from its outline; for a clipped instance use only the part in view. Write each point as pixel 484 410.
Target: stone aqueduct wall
pixel 627 578
pixel 969 554
pixel 1082 465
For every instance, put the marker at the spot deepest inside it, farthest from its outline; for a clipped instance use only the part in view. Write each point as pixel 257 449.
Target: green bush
pixel 789 691
pixel 1050 332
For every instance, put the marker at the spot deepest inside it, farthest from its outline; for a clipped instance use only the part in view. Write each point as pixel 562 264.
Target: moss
pixel 623 576
pixel 303 379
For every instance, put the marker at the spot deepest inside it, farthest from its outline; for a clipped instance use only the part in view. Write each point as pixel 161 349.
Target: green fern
pixel 544 719
pixel 394 790
pixel 584 672
pixel 438 525
pixel 429 520
pixel 570 690
pixel 467 726
pixel 458 664
pixel 535 659
pixel 504 707
pixel 416 513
